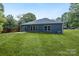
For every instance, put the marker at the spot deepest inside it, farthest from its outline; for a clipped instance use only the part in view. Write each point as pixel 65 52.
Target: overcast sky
pixel 41 10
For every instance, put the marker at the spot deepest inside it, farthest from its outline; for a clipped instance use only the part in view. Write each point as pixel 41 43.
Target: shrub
pixel 1 28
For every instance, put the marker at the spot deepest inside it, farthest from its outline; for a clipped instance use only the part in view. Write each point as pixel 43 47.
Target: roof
pixel 42 21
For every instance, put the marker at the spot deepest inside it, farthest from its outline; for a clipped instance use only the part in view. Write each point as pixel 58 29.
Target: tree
pixel 11 24
pixel 2 18
pixel 25 18
pixel 74 9
pixel 66 19
pixel 71 18
pixel 58 19
pixel 1 7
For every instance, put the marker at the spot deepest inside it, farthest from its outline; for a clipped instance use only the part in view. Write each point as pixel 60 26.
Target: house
pixel 43 25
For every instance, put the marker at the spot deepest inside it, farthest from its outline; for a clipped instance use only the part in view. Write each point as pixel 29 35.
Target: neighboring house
pixel 43 25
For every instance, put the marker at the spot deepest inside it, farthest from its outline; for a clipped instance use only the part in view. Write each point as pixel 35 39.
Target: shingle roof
pixel 42 21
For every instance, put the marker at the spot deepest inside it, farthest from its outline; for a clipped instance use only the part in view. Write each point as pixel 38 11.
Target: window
pixel 33 28
pixel 47 28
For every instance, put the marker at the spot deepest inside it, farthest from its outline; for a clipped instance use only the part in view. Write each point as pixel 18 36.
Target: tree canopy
pixel 71 18
pixel 2 18
pixel 11 23
pixel 1 7
pixel 74 9
pixel 27 17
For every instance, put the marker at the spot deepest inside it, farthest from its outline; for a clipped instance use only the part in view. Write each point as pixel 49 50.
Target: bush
pixel 1 28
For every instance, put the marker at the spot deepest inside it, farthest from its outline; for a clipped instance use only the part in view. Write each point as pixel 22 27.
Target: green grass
pixel 39 44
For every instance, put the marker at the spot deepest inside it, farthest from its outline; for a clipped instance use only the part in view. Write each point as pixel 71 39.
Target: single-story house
pixel 42 25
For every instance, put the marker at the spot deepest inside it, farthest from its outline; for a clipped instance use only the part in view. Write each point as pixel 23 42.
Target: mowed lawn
pixel 39 44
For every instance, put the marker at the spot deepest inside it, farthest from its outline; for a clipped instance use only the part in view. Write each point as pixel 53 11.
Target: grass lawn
pixel 39 44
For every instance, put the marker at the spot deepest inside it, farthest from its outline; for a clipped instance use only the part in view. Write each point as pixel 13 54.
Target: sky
pixel 41 10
